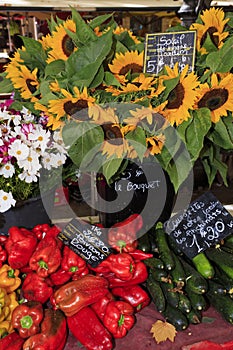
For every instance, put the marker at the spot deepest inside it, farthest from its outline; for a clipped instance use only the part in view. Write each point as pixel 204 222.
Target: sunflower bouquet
pixel 89 81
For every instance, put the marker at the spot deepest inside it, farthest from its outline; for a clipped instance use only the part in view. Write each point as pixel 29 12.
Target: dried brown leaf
pixel 162 331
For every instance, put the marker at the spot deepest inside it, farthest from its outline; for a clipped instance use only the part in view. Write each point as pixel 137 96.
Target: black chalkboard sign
pixel 143 189
pixel 204 224
pixel 86 240
pixel 168 48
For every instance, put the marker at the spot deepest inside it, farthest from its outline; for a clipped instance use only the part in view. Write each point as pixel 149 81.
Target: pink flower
pixel 4 156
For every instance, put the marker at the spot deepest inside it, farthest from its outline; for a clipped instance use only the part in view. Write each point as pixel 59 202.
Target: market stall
pixel 139 115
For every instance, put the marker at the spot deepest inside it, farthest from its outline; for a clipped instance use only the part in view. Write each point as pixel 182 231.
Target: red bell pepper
pixel 100 306
pixel 140 275
pixel 60 277
pixel 209 345
pixel 119 318
pixel 20 246
pixel 138 254
pixel 135 295
pixel 53 333
pixel 47 257
pixel 27 317
pixel 121 264
pixel 122 236
pixel 73 296
pixel 3 255
pixel 36 288
pixel 89 330
pixel 12 341
pixel 73 263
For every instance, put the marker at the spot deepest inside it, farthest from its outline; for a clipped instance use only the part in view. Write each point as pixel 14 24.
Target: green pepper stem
pixel 121 320
pixel 11 273
pixel 26 322
pixel 43 264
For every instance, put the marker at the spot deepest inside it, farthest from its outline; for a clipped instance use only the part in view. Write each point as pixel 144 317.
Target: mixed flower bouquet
pixel 88 79
pixel 27 148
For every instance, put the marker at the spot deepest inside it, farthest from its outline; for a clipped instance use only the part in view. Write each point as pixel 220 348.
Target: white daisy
pixel 18 150
pixel 27 177
pixel 6 201
pixel 7 170
pixel 40 138
pixel 31 163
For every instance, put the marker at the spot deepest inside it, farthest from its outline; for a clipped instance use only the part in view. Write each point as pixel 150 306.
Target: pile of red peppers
pixel 61 293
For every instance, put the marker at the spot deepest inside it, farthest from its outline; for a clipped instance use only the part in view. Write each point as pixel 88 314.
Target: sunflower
pixel 182 97
pixel 61 44
pixel 46 41
pixel 119 30
pixel 26 81
pixel 130 61
pixel 115 143
pixel 12 67
pixel 151 115
pixel 154 144
pixel 218 97
pixel 213 25
pixel 70 105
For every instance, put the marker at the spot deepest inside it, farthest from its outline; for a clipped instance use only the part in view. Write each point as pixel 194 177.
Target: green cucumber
pixel 159 275
pixel 216 288
pixel 220 257
pixel 223 304
pixel 194 316
pixel 171 296
pixel 144 243
pixel 184 303
pixel 194 280
pixel 203 265
pixel 154 263
pixel 156 294
pixel 174 247
pixel 176 318
pixel 177 274
pixel 163 247
pixel 222 278
pixel 198 301
pixel 229 239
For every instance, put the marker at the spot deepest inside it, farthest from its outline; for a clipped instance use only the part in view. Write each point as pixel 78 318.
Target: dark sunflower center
pixel 214 38
pixel 214 99
pixel 176 96
pixel 67 45
pixel 31 88
pixel 113 134
pixel 133 67
pixel 73 109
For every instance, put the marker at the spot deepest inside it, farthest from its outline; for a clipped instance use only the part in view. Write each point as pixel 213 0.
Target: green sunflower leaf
pixel 194 130
pixel 98 78
pixel 109 79
pixel 110 168
pixel 170 85
pixel 83 64
pixel 5 84
pixel 97 21
pixel 137 139
pixel 54 68
pixel 221 60
pixel 179 168
pixel 84 33
pixel 220 136
pixel 170 148
pixel 84 141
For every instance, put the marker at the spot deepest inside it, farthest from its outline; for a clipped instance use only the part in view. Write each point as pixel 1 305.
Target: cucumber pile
pixel 182 288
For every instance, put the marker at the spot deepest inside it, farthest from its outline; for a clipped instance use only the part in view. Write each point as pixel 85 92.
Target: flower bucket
pixel 28 213
pixel 151 193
